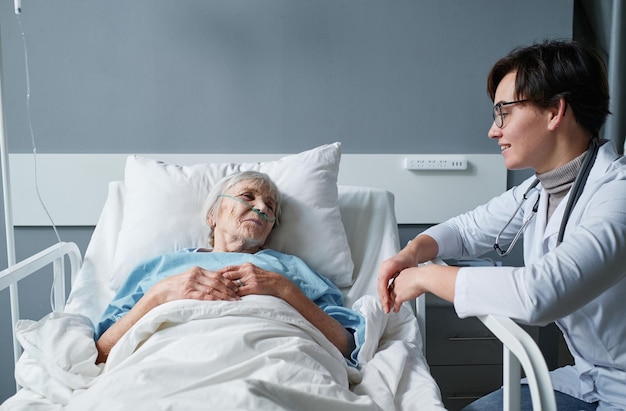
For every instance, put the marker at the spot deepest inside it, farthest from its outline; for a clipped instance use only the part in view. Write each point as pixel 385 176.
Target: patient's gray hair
pixel 213 200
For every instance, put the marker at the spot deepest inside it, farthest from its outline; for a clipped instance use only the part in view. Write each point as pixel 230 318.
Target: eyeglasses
pixel 498 115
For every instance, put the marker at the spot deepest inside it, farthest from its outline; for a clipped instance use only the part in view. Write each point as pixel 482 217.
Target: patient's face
pixel 238 228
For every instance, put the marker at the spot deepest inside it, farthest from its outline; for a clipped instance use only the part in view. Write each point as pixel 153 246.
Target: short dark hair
pixel 553 69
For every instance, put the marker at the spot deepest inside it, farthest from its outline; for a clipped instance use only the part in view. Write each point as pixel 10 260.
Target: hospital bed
pixel 344 231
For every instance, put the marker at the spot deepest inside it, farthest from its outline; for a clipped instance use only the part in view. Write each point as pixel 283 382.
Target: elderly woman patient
pixel 241 210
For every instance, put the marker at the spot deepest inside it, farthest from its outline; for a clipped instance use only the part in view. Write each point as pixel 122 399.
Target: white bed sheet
pixel 393 373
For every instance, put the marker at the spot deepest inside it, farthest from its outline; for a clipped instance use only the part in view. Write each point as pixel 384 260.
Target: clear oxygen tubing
pixel 256 210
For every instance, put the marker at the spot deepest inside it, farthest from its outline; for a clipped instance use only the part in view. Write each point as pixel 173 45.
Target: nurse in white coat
pixel 551 99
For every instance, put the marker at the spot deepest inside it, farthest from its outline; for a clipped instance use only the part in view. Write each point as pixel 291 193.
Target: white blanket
pixel 255 354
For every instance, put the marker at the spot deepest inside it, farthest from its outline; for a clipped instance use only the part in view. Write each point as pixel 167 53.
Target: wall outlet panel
pixel 435 162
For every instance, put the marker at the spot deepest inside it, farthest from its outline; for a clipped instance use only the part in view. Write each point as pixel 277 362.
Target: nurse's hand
pixel 422 248
pixel 390 269
pixel 415 281
pixel 405 286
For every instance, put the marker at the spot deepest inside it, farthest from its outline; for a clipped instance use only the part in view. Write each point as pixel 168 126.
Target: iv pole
pixel 8 204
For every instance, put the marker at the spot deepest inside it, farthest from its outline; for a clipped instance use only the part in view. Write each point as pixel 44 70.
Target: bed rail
pixel 520 349
pixel 54 255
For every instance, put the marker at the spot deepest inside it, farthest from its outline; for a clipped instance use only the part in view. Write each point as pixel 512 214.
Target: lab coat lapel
pixel 553 226
pixel 541 235
pixel 534 235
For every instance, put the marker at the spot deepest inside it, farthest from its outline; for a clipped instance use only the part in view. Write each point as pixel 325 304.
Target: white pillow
pixel 163 203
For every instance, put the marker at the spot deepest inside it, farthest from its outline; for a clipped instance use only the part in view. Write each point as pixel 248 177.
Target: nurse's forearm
pixel 422 248
pixel 441 280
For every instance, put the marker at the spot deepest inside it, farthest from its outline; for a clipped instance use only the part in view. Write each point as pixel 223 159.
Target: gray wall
pixel 252 76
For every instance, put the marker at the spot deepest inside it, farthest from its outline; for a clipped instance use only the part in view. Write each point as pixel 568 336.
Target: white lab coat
pixel 580 284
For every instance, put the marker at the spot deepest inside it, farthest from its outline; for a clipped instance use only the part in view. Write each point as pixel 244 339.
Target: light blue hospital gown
pixel 316 287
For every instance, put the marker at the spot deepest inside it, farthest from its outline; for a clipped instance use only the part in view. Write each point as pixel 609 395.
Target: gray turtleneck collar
pixel 557 182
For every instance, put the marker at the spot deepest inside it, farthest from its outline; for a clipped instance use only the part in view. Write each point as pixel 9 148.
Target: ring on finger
pixel 239 283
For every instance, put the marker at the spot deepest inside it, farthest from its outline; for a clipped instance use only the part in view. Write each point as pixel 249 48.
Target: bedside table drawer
pixel 451 340
pixel 462 384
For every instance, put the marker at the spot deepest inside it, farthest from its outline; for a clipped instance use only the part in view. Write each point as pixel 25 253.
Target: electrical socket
pixel 435 162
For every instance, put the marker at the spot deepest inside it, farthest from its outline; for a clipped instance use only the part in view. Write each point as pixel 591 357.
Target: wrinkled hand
pixel 254 280
pixel 195 283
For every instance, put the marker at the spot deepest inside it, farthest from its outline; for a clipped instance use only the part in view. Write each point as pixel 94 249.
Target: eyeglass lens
pixel 498 115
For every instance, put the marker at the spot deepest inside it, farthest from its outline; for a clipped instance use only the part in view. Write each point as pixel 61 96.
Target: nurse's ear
pixel 556 114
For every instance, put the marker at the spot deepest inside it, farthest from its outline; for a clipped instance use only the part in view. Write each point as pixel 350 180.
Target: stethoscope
pixel 577 190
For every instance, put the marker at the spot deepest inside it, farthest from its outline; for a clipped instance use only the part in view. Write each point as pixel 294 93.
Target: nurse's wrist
pixel 423 248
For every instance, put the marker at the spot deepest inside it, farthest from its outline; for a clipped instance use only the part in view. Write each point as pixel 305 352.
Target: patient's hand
pixel 195 283
pixel 254 280
pixel 251 279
